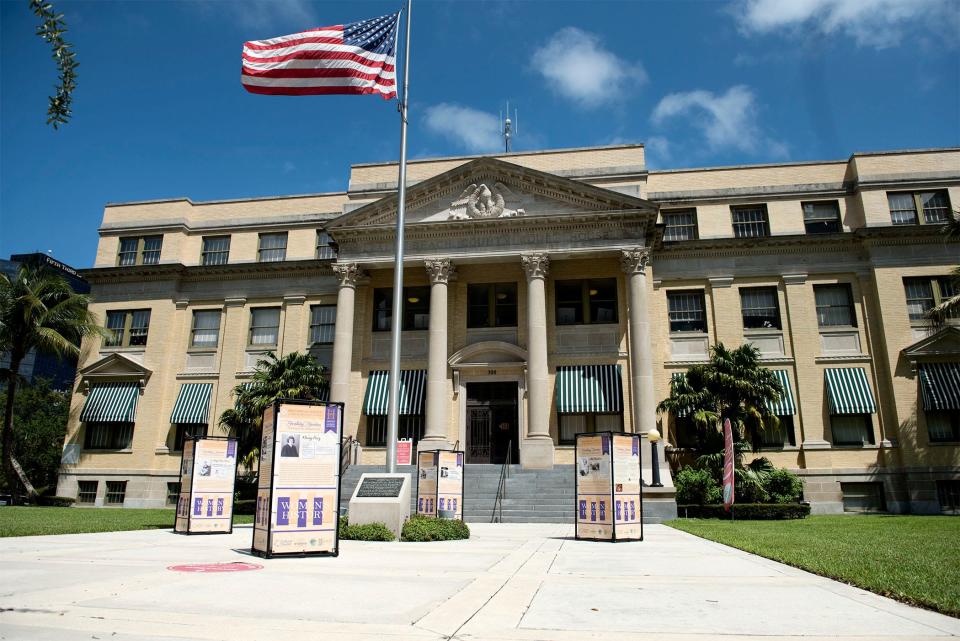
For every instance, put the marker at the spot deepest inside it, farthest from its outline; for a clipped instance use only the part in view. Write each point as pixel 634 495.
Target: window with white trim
pixel 680 224
pixel 216 250
pixel 925 293
pixel 835 305
pixel 750 221
pixel 919 207
pixel 264 326
pixel 323 321
pixel 139 250
pixel 206 328
pixel 272 248
pixel 127 328
pixel 686 311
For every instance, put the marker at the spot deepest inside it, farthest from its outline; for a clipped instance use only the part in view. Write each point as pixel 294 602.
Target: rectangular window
pixel 750 221
pixel 325 249
pixel 592 301
pixel 835 305
pixel 573 424
pixel 187 430
pixel 680 225
pixel 760 307
pixel 128 328
pixel 216 250
pixel 139 250
pixel 851 429
pixel 87 491
pixel 416 308
pixel 408 426
pixel 273 248
pixel 776 438
pixel 948 492
pixel 173 493
pixel 116 492
pixel 822 217
pixel 912 207
pixel 206 328
pixel 323 320
pixel 686 311
pixel 492 305
pixel 925 293
pixel 863 497
pixel 264 326
pixel 943 426
pixel 108 436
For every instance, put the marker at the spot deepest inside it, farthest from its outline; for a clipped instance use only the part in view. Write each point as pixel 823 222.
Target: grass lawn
pixel 910 558
pixel 29 521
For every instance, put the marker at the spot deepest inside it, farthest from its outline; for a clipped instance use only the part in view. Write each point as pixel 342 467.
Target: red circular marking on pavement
pixel 215 567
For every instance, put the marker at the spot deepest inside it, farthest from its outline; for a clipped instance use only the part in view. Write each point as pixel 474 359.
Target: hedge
pixel 421 528
pixel 747 511
pixel 245 506
pixel 55 501
pixel 365 532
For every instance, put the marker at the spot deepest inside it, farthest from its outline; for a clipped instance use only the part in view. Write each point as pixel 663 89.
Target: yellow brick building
pixel 546 293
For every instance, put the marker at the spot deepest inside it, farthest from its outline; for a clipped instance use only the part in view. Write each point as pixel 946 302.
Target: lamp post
pixel 653 436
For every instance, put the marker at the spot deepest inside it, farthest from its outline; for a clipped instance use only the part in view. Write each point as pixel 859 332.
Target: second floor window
pixel 416 308
pixel 142 250
pixel 273 248
pixel 925 293
pixel 324 245
pixel 128 328
pixel 680 225
pixel 750 221
pixel 216 250
pixel 264 326
pixel 492 305
pixel 912 207
pixel 686 311
pixel 760 308
pixel 835 306
pixel 323 320
pixel 586 301
pixel 206 328
pixel 822 217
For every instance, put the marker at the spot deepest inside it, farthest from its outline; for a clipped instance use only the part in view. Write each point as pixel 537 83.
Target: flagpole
pixel 393 417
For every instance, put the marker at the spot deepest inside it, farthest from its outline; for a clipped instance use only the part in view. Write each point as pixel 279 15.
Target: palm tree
pixel 38 310
pixel 950 307
pixel 296 375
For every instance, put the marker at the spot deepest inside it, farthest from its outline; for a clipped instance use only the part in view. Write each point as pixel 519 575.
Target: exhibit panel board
pixel 440 483
pixel 298 493
pixel 208 471
pixel 609 490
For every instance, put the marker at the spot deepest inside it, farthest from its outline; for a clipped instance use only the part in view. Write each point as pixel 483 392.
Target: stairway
pixel 531 496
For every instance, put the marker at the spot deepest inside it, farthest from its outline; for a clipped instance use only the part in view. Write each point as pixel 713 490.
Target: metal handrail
pixel 497 516
pixel 346 453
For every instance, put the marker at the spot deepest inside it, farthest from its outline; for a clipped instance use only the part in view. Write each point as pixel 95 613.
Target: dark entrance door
pixel 492 422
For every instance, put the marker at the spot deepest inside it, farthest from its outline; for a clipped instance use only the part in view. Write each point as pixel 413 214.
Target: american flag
pixel 355 58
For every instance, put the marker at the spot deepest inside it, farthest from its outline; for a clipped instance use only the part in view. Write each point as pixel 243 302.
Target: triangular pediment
pixel 489 188
pixel 115 367
pixel 945 342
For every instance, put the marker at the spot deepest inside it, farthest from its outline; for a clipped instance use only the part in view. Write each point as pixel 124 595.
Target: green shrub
pixel 783 486
pixel 747 511
pixel 55 501
pixel 365 532
pixel 245 506
pixel 422 528
pixel 696 486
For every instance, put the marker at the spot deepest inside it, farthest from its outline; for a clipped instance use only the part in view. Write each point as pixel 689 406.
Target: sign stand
pixel 440 483
pixel 208 473
pixel 298 494
pixel 609 487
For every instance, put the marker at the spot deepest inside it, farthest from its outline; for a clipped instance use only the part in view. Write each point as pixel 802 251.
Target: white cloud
pixel 871 23
pixel 657 151
pixel 576 65
pixel 727 121
pixel 476 131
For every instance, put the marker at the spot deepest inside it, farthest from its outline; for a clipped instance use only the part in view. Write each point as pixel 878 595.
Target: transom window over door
pixel 750 221
pixel 492 305
pixel 686 311
pixel 586 301
pixel 273 248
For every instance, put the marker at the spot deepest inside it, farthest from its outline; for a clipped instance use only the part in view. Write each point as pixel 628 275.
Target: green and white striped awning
pixel 940 386
pixel 193 403
pixel 848 391
pixel 413 390
pixel 111 403
pixel 589 389
pixel 786 406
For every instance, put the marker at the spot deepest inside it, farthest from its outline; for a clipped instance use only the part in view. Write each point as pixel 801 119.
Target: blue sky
pixel 160 112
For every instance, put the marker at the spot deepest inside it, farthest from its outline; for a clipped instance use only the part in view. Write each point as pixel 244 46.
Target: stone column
pixel 634 263
pixel 537 450
pixel 347 275
pixel 440 271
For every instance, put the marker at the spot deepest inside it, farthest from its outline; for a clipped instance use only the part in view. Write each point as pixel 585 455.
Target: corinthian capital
pixel 440 270
pixel 347 273
pixel 536 265
pixel 634 261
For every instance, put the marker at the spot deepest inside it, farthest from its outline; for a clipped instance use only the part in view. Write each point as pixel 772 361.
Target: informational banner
pixel 208 470
pixel 299 491
pixel 609 502
pixel 404 451
pixel 440 483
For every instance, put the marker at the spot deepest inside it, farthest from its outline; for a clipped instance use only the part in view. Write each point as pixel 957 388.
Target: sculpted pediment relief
pixel 945 342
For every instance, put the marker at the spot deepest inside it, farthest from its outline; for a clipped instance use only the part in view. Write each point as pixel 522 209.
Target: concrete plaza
pixel 523 582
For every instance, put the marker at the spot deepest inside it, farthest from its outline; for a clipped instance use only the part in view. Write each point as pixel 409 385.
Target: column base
pixel 537 454
pixel 425 444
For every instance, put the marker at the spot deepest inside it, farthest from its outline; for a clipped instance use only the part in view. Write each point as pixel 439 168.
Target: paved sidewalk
pixel 522 582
